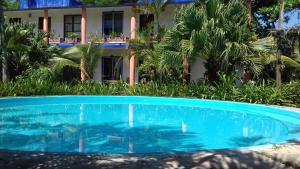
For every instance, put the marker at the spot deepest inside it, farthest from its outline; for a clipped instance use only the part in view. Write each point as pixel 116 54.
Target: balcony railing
pixel 108 39
pixel 96 39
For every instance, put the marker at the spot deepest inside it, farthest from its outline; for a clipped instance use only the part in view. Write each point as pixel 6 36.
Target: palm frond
pixel 73 53
pixel 264 45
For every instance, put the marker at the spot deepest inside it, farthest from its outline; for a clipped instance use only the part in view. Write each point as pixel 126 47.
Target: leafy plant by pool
pixel 286 95
pixel 121 125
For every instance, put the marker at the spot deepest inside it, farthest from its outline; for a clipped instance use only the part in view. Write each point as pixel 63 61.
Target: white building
pixel 111 26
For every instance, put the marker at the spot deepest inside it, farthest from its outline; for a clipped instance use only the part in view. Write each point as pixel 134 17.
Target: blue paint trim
pixel 104 46
pixel 114 46
pixel 75 7
pixel 91 6
pixel 64 45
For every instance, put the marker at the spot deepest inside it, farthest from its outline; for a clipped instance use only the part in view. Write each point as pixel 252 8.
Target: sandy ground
pixel 200 160
pixel 279 157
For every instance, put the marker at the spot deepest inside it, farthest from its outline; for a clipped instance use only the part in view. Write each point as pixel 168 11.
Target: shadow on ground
pixel 221 159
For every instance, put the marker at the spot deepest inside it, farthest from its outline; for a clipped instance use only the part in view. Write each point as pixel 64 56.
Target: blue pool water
pixel 120 125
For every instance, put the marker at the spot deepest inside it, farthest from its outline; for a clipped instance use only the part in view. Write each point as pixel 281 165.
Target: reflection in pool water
pixel 135 128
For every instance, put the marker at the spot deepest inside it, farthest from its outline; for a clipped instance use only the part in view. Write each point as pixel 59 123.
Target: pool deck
pixel 276 157
pixel 200 160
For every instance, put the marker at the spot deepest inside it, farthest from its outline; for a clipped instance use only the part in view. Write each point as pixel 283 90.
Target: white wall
pixel 94 18
pixel 57 19
pixel 197 69
pixel 113 52
pixel 94 25
pixel 28 16
pixel 166 19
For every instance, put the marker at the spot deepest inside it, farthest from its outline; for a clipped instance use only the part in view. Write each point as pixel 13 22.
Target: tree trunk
pixel 156 24
pixel 82 70
pixel 278 57
pixel 2 43
pixel 249 10
pixel 212 66
pixel 185 73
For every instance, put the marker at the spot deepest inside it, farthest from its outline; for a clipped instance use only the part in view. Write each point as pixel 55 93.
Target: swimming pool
pixel 126 124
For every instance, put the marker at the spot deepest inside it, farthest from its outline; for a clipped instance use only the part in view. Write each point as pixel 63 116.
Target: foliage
pixel 11 4
pixel 100 2
pixel 73 35
pixel 266 48
pixel 41 73
pixel 155 7
pixel 213 30
pixel 266 13
pixel 25 48
pixel 2 42
pixel 287 95
pixel 86 55
pixel 144 50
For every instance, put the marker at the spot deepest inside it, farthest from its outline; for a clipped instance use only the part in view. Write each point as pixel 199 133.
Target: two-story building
pixel 110 26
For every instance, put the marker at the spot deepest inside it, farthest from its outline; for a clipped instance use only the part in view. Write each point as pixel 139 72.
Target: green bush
pixel 287 95
pixel 69 74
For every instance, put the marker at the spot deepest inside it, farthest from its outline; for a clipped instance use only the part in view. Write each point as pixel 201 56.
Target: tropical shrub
pixel 69 74
pixel 87 55
pixel 214 30
pixel 286 95
pixel 25 48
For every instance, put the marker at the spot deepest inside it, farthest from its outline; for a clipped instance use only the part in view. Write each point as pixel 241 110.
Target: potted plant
pixel 115 37
pixel 96 38
pixel 53 39
pixel 72 37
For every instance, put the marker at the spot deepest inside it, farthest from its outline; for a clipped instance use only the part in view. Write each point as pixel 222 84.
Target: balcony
pixel 106 41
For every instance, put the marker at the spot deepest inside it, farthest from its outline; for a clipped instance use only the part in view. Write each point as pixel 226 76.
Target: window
pixel 14 20
pixel 41 23
pixel 112 68
pixel 72 23
pixel 112 22
pixel 145 20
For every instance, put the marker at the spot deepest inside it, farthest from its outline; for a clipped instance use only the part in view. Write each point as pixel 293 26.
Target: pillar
pixel 83 40
pixel 132 53
pixel 46 24
pixel 83 26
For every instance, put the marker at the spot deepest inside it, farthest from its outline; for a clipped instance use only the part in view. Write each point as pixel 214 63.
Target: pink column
pixel 83 40
pixel 83 26
pixel 132 54
pixel 46 24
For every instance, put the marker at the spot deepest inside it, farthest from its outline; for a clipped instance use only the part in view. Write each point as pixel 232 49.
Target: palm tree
pixel 2 43
pixel 155 7
pixel 280 20
pixel 143 45
pixel 216 31
pixel 25 48
pixel 266 49
pixel 86 55
pixel 249 10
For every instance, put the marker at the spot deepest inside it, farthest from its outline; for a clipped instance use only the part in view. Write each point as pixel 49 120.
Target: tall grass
pixel 287 95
